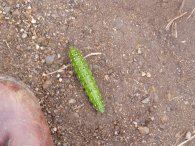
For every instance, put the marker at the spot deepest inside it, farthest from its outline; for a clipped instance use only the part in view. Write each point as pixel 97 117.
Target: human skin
pixel 22 122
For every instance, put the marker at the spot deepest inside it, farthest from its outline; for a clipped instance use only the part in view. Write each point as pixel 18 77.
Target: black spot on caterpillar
pixel 86 78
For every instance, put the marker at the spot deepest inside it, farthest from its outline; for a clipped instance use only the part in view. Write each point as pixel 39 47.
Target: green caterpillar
pixel 86 78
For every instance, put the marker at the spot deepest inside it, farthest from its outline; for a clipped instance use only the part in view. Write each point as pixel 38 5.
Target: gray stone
pixel 50 59
pixel 7 9
pixel 146 100
pixel 144 130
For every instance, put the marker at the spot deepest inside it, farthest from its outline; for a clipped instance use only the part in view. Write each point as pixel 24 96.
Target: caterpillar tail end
pixel 101 108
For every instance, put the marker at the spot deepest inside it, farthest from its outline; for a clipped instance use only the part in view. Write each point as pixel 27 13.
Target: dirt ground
pixel 145 72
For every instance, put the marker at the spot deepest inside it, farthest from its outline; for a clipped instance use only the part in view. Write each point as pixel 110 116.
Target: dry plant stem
pixel 9 48
pixel 173 24
pixel 174 29
pixel 7 44
pixel 181 6
pixel 68 65
pixel 57 71
pixel 92 54
pixel 191 13
pixel 181 134
pixel 184 142
pixel 171 21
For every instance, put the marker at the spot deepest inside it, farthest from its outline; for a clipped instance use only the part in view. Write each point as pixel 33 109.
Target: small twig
pixel 137 82
pixel 191 13
pixel 57 71
pixel 179 136
pixel 9 48
pixel 171 21
pixel 184 142
pixel 177 97
pixel 181 6
pixel 7 44
pixel 92 54
pixel 78 107
pixel 66 66
pixel 174 29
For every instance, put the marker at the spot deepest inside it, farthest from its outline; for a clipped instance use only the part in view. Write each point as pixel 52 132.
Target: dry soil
pixel 145 73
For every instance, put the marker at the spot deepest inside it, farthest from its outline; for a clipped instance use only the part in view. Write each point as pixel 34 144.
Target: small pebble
pixel 146 100
pixel 60 79
pixel 55 129
pixel 72 101
pixel 107 77
pixel 115 132
pixel 29 7
pixel 135 123
pixel 144 130
pixel 186 102
pixel 139 51
pixel 164 119
pixel 152 118
pixel 148 75
pixel 168 109
pixel 50 59
pixel 17 5
pixel 37 46
pixel 34 37
pixel 21 30
pixel 169 96
pixel 7 9
pixel 188 135
pixel 143 74
pixel 36 56
pixel 16 12
pixel 33 21
pixel 24 35
pixel 7 18
pixel 59 56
